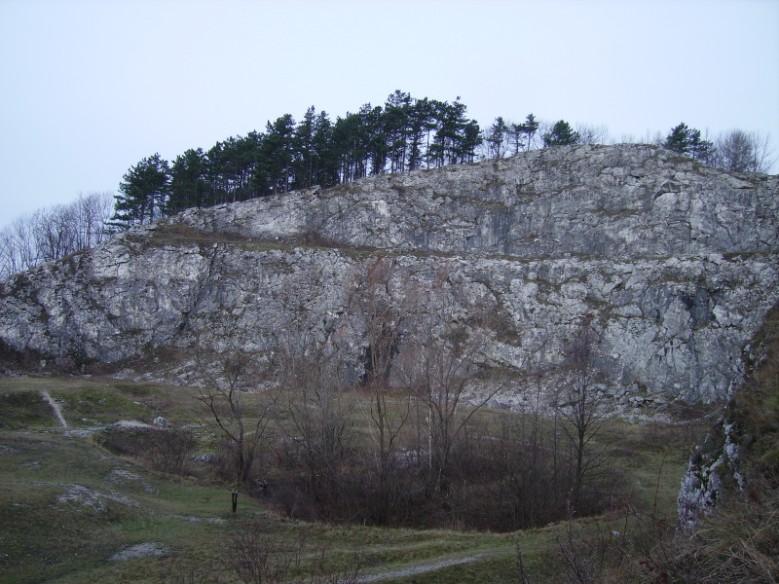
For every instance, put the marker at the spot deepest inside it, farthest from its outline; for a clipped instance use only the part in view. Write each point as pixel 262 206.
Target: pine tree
pixel 224 171
pixel 472 139
pixel 248 153
pixel 496 137
pixel 143 193
pixel 516 136
pixel 686 140
pixel 561 134
pixel 449 144
pixel 401 136
pixel 529 128
pixel 374 133
pixel 188 184
pixel 277 156
pixel 455 122
pixel 397 128
pixel 701 149
pixel 678 138
pixel 420 123
pixel 303 167
pixel 350 147
pixel 326 168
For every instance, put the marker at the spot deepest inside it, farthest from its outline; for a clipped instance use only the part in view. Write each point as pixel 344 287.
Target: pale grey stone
pixel 675 262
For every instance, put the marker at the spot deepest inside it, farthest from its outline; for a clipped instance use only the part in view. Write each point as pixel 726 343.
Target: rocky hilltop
pixel 674 264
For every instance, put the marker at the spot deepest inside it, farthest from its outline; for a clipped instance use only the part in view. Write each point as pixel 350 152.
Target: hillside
pixel 675 265
pixel 553 287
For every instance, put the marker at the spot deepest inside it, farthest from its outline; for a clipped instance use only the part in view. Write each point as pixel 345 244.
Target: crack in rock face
pixel 674 265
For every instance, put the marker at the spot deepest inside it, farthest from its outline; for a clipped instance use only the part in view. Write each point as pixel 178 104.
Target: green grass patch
pixel 135 390
pixel 98 405
pixel 47 540
pixel 89 401
pixel 496 570
pixel 24 409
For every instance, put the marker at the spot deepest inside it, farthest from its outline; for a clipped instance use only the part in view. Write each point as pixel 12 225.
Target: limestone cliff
pixel 676 264
pixel 741 451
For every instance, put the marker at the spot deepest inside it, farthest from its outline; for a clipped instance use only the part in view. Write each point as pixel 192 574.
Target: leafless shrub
pixel 172 450
pixel 589 134
pixel 256 557
pixel 737 543
pixel 165 450
pixel 587 553
pixel 740 151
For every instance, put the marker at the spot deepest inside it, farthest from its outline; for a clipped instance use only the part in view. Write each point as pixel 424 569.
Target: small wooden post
pixel 235 501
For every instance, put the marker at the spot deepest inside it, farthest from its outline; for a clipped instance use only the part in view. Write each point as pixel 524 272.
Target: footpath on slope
pixel 426 566
pixel 56 407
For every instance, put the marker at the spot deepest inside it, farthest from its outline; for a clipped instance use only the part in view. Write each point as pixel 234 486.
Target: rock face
pixel 702 482
pixel 674 264
pixel 742 449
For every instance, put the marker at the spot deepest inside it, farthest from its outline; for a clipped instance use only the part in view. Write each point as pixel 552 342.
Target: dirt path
pixel 423 568
pixel 56 407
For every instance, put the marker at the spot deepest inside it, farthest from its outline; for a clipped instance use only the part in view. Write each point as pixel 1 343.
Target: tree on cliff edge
pixel 561 134
pixel 143 192
pixel 496 138
pixel 686 140
pixel 740 151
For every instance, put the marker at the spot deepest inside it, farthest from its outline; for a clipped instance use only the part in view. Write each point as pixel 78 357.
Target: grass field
pixel 67 505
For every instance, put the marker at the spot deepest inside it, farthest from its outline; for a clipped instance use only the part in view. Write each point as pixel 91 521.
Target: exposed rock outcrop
pixel 743 446
pixel 675 263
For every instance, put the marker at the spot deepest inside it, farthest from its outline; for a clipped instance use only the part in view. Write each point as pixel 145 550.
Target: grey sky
pixel 90 87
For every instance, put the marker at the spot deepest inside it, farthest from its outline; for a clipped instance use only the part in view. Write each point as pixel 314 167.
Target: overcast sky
pixel 87 88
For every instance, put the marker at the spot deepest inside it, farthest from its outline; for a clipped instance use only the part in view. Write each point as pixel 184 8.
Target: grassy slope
pixel 42 539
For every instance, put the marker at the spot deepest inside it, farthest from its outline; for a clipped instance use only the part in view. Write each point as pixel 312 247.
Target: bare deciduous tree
pixel 589 134
pixel 318 415
pixel 584 556
pixel 388 411
pixel 50 234
pixel 440 370
pixel 243 427
pixel 740 151
pixel 580 404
